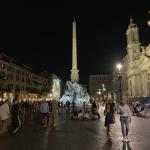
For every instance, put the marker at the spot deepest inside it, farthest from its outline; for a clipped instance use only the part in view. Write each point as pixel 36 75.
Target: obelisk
pixel 74 70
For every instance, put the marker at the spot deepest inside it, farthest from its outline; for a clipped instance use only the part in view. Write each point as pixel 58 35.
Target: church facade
pixel 136 67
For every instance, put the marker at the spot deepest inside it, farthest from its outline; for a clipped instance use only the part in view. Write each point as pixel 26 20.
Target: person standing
pixel 44 110
pixel 54 113
pixel 4 116
pixel 125 118
pixel 16 123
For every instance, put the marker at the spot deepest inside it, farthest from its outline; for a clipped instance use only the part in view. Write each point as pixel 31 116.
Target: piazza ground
pixel 77 135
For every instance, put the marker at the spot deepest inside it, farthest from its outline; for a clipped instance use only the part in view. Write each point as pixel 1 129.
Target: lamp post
pixel 105 92
pixel 119 67
pixel 149 20
pixel 99 93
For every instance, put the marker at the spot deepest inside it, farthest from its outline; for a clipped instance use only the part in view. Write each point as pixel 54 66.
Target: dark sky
pixel 39 34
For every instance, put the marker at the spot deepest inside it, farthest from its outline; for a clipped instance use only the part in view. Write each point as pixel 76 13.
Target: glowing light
pixel 119 66
pixel 99 92
pixel 148 23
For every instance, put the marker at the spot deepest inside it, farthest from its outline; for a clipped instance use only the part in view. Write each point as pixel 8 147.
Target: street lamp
pixel 119 67
pixel 99 93
pixel 149 20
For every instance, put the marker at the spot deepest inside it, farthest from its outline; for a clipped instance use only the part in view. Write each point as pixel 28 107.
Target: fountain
pixel 75 93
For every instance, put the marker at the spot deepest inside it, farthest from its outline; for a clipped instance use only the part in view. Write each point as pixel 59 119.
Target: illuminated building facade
pixel 23 82
pixel 136 67
pixel 100 83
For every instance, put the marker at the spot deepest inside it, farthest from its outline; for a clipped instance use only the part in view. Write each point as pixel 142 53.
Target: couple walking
pixel 48 112
pixel 10 113
pixel 125 118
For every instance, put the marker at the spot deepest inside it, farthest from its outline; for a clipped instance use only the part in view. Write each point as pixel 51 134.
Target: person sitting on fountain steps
pixel 74 115
pixel 80 115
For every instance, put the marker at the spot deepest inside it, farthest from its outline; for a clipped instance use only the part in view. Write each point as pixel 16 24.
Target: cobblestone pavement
pixel 77 135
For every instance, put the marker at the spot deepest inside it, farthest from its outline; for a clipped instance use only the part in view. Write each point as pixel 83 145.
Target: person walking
pixel 109 119
pixel 125 118
pixel 44 110
pixel 16 123
pixel 4 116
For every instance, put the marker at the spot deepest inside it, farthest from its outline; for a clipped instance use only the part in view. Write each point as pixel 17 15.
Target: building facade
pixel 20 81
pixel 100 85
pixel 136 67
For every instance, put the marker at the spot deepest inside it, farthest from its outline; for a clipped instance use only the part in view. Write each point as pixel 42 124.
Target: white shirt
pixel 125 110
pixel 80 114
pixel 86 115
pixel 4 111
pixel 44 108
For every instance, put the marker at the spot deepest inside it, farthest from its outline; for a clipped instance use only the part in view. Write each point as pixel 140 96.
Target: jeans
pixel 124 125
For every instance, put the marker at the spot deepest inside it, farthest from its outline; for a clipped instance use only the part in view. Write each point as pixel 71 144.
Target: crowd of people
pixel 10 113
pixel 139 109
pixel 48 112
pixel 14 115
pixel 126 109
pixel 85 114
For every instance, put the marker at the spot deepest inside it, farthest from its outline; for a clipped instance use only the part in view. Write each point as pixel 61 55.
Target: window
pixel 12 69
pixel 23 88
pixel 17 78
pixel 2 66
pixel 10 86
pixel 17 71
pixel 11 76
pixel 9 68
pixel 17 88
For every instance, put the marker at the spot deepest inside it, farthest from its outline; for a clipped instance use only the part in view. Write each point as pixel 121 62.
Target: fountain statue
pixel 75 93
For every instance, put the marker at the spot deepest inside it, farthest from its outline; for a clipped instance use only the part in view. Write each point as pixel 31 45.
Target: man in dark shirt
pixel 16 123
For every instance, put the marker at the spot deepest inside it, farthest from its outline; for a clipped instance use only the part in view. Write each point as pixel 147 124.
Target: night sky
pixel 40 35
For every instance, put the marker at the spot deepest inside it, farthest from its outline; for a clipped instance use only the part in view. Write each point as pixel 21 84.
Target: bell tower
pixel 133 42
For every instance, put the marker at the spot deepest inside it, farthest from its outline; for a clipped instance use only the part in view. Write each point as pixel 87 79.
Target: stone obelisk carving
pixel 74 70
